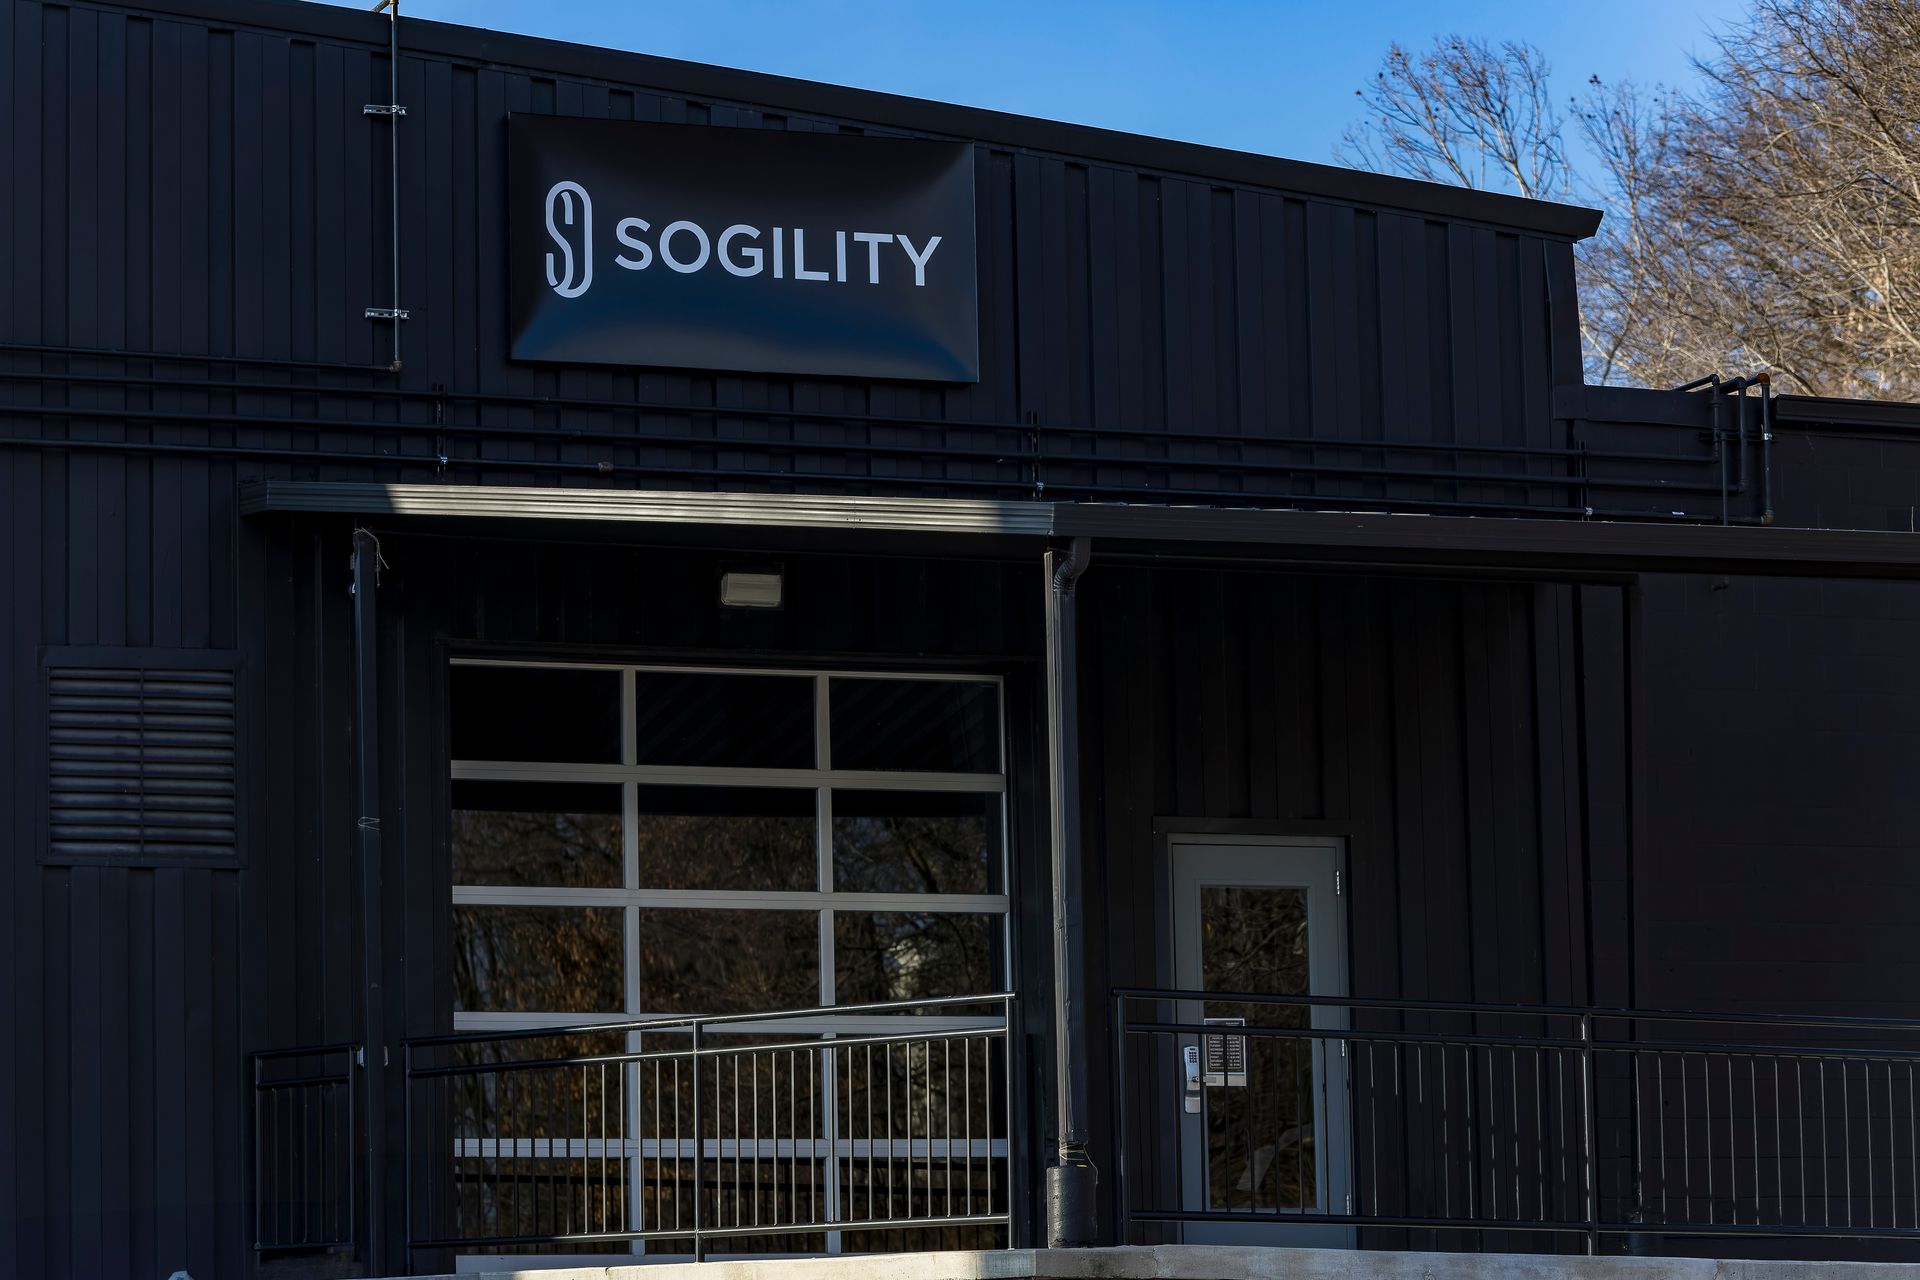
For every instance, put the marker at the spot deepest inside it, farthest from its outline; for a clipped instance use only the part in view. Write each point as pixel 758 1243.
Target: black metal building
pixel 1276 615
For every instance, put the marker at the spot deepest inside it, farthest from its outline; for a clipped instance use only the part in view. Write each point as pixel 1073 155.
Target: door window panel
pixel 1262 1134
pixel 1254 939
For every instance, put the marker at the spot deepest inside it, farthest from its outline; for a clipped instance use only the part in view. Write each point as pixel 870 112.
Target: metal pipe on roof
pixel 392 110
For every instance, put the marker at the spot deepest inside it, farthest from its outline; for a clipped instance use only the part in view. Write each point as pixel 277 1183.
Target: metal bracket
pixel 383 109
pixel 388 313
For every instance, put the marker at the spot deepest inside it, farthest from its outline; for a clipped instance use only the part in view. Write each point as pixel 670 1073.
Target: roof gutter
pixel 1128 530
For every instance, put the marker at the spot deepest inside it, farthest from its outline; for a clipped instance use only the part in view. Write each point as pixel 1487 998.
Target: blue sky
pixel 1274 77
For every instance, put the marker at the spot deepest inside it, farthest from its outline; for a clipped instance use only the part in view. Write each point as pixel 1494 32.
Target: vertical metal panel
pixel 216 189
pixel 186 186
pixel 1406 714
pixel 121 1150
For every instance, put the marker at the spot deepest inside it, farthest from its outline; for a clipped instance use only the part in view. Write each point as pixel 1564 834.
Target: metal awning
pixel 1136 529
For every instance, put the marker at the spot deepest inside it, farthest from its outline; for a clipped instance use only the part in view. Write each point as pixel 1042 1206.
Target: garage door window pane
pixel 537 959
pixel 697 961
pixel 916 842
pixel 925 726
pixel 742 721
pixel 566 714
pixel 561 834
pixel 743 838
pixel 900 956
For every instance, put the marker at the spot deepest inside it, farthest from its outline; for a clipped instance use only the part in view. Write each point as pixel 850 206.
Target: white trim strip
pixel 701 776
pixel 477 895
pixel 675 668
pixel 655 506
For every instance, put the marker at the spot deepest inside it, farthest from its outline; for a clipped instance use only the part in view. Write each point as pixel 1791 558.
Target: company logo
pixel 744 250
pixel 571 201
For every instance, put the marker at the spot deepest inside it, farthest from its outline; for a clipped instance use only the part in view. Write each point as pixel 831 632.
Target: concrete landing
pixel 1224 1262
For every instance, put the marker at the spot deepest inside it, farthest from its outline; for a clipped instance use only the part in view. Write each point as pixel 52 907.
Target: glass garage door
pixel 639 841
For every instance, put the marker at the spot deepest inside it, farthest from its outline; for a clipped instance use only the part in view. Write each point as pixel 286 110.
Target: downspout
pixel 1071 1179
pixel 366 794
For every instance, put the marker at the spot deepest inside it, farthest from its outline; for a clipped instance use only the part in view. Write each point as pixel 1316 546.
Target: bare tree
pixel 1464 112
pixel 1769 219
pixel 1797 172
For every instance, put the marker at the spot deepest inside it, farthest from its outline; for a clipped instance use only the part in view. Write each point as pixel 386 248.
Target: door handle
pixel 1190 1059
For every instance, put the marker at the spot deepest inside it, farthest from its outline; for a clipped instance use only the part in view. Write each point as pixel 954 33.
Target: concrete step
pixel 1223 1262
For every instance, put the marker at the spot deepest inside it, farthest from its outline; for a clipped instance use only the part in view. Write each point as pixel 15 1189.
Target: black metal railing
pixel 854 1128
pixel 1595 1124
pixel 305 1148
pixel 1693 470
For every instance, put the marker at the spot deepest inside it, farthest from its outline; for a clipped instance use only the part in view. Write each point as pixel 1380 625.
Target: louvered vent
pixel 141 765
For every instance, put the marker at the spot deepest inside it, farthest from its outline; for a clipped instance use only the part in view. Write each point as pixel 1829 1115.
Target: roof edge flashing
pixel 870 107
pixel 1382 537
pixel 650 506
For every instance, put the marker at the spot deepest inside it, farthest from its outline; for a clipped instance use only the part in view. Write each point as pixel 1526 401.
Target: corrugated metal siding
pixel 1426 720
pixel 175 185
pixel 121 1139
pixel 1780 870
pixel 1443 729
pixel 184 187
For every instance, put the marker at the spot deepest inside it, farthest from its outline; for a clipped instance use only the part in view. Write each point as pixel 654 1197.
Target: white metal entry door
pixel 1265 1140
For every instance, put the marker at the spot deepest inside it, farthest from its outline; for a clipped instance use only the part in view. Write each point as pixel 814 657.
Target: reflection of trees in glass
pixel 904 842
pixel 898 956
pixel 1260 1137
pixel 1255 940
pixel 533 959
pixel 695 961
pixel 727 838
pixel 510 833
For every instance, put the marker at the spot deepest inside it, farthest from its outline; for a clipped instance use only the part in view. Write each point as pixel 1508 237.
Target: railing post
pixel 355 1055
pixel 259 1165
pixel 699 1153
pixel 1590 1105
pixel 408 1151
pixel 1122 1224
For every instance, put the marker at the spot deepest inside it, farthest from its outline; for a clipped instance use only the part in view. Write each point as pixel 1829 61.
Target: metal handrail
pixel 1492 1129
pixel 1608 1012
pixel 1054 457
pixel 301 1183
pixel 669 1021
pixel 783 1140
